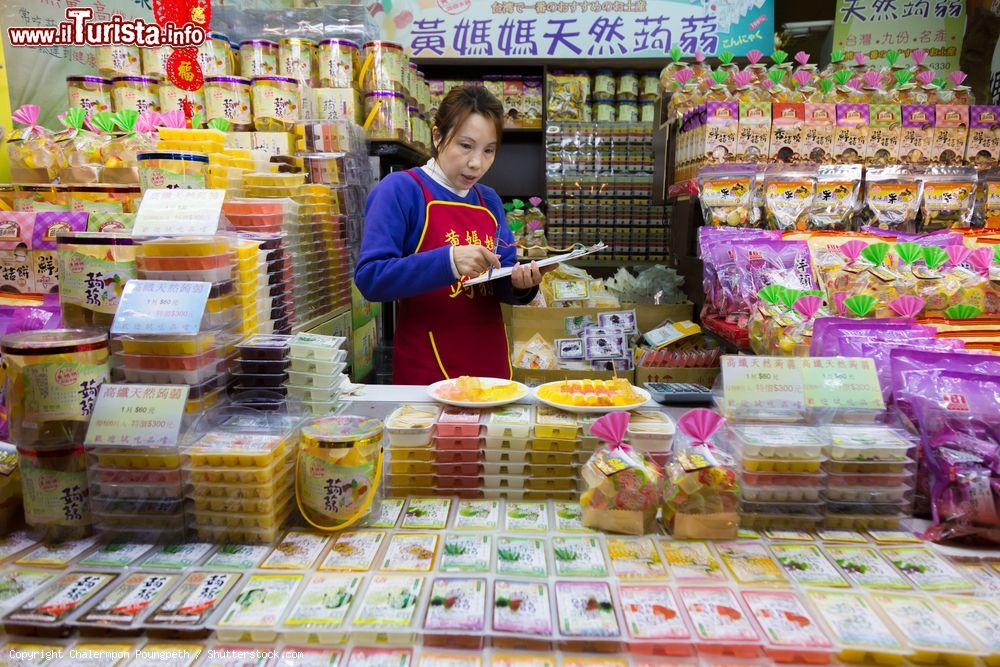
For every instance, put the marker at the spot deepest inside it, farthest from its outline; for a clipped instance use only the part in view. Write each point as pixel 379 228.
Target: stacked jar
pixel 215 55
pixel 228 98
pixel 136 93
pixel 276 103
pixel 383 77
pixel 90 93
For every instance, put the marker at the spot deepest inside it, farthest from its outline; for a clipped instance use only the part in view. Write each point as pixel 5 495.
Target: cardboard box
pixel 703 376
pixel 523 322
pixel 917 134
pixel 817 139
pixel 884 133
pixel 850 137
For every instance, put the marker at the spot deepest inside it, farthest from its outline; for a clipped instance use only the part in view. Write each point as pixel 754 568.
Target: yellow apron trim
pixel 365 506
pixel 427 217
pixel 437 356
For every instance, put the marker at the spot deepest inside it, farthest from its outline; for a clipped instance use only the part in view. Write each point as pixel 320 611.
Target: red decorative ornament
pixel 183 69
pixel 172 11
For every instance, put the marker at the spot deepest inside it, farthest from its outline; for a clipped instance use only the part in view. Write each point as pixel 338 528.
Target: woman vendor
pixel 428 228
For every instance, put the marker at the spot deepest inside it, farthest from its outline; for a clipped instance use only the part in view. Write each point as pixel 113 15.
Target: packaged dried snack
pixel 836 201
pixel 727 194
pixel 893 198
pixel 949 197
pixel 623 485
pixel 789 193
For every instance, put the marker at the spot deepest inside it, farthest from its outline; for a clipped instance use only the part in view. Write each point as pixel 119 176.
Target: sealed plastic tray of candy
pixel 189 246
pixel 242 520
pixel 211 275
pixel 275 485
pixel 837 521
pixel 267 505
pixel 265 348
pixel 176 362
pixel 150 508
pixel 257 366
pixel 125 457
pixel 238 450
pixel 866 507
pixel 458 443
pixel 313 346
pixel 185 262
pixel 320 367
pixel 776 442
pixel 755 465
pixel 249 476
pixel 312 394
pixel 797 494
pixel 411 425
pixel 174 344
pixel 314 380
pixel 869 467
pixel 867 443
pixel 138 491
pixel 137 477
pixel 785 516
pixel 195 376
pixel 868 494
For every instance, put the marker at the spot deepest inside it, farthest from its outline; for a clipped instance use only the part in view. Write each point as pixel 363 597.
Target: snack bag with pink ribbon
pixel 623 484
pixel 701 493
pixel 31 148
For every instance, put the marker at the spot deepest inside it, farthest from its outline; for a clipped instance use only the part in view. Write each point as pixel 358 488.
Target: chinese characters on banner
pixel 576 29
pixel 874 27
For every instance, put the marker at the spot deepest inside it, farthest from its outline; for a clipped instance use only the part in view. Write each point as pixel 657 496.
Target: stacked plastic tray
pixel 869 476
pixel 781 478
pixel 316 373
pixel 262 365
pixel 242 484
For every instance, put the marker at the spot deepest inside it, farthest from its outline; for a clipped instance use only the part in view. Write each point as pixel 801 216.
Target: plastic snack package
pixel 727 194
pixel 31 148
pixel 949 197
pixel 991 199
pixel 893 198
pixel 836 201
pixel 536 354
pixel 623 485
pixel 701 492
pixel 789 193
pixel 79 149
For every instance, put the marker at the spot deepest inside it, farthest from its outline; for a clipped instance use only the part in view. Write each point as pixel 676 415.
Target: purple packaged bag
pixel 827 331
pixel 850 346
pixel 879 351
pixel 903 362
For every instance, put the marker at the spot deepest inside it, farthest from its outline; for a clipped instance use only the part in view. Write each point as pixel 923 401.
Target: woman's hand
pixel 473 260
pixel 526 276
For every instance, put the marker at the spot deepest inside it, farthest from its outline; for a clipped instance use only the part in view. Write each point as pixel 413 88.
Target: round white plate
pixel 595 409
pixel 522 391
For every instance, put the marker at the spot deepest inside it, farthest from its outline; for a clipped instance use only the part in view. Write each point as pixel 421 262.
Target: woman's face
pixel 470 151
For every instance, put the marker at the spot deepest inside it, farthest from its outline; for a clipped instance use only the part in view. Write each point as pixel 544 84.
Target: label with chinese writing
pixel 457 604
pixel 161 307
pixel 521 556
pixel 716 615
pixel 15 582
pixel 921 624
pixel 651 612
pixel 93 283
pixel 62 391
pixel 237 557
pixel 427 513
pixel 377 657
pixel 927 570
pixel 390 600
pixel 271 101
pixel 137 415
pixel 750 563
pixel 841 536
pixel 129 600
pixel 578 557
pixel 115 554
pixel 141 98
pixel 841 383
pixel 866 568
pixel 388 514
pixel 411 552
pixel 152 178
pixel 893 536
pixel 477 515
pixel 807 565
pixel 261 602
pixel 585 609
pixel 56 555
pixel 333 491
pixel 725 192
pixel 466 553
pixel 179 212
pixel 521 607
pixel 55 602
pixel 195 599
pixel 354 551
pixel 178 556
pixel 978 615
pixel 325 601
pixel 228 101
pixel 853 621
pixel 635 557
pixel 569 518
pixel 55 497
pixel 784 620
pixel 692 561
pixel 950 196
pixel 527 517
pixel 751 381
pixel 297 551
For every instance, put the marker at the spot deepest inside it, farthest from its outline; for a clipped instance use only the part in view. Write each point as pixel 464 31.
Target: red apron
pixel 453 330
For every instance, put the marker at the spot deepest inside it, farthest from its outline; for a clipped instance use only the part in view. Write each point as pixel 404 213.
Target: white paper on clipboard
pixel 555 259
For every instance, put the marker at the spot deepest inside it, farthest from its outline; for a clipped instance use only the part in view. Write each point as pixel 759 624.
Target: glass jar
pixel 90 93
pixel 604 110
pixel 385 115
pixel 628 111
pixel 604 84
pixel 215 55
pixel 171 98
pixel 139 93
pixel 154 60
pixel 276 103
pixel 649 86
pixel 118 60
pixel 628 86
pixel 297 59
pixel 647 111
pixel 382 67
pixel 163 170
pixel 258 57
pixel 228 97
pixel 338 59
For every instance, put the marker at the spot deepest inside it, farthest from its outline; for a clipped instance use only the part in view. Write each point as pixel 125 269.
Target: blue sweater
pixel 390 269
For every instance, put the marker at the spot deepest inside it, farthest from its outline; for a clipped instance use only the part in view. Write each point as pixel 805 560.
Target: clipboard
pixel 495 274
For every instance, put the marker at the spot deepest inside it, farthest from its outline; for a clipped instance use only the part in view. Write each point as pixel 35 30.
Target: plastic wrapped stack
pixel 316 374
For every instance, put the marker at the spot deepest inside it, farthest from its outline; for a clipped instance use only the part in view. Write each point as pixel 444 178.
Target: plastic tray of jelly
pixel 187 246
pixel 176 362
pixel 503 456
pixel 266 506
pixel 138 491
pixel 259 380
pixel 134 458
pixel 781 516
pixel 314 380
pixel 238 450
pixel 243 520
pixel 184 262
pixel 240 535
pixel 455 443
pixel 312 346
pixel 277 485
pixel 552 445
pixel 320 408
pixel 320 367
pixel 456 456
pixel 269 367
pixel 516 444
pixel 138 477
pixel 867 443
pixel 834 521
pixel 411 425
pixel 312 394
pixel 512 422
pixel 192 377
pixel 799 494
pixel 152 508
pixel 459 423
pixel 868 494
pixel 174 345
pixel 265 348
pixel 213 275
pixel 239 476
pixel 781 465
pixel 777 442
pixel 868 467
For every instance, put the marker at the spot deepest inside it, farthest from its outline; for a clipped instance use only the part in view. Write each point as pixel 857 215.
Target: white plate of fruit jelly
pixel 592 395
pixel 473 392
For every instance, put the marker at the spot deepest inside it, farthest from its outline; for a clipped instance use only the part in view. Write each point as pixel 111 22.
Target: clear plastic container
pixel 297 59
pixel 872 443
pixel 135 93
pixel 552 445
pixel 118 60
pixel 458 422
pixel 511 422
pixel 90 93
pixel 411 425
pixel 650 431
pixel 781 516
pixel 868 467
pixel 796 466
pixel 320 367
pixel 205 476
pixel 390 121
pixel 799 494
pixel 239 450
pixel 228 98
pixel 275 486
pixel 338 60
pixel 313 380
pixel 382 67
pixel 553 423
pixel 458 443
pixel 314 346
pixel 265 348
pixel 457 456
pixel 258 57
pixel 257 366
pixel 515 444
pixel 777 442
pixel 312 394
pixel 173 98
pixel 277 103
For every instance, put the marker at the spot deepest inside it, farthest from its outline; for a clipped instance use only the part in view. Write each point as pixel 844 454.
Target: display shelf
pixel 399 150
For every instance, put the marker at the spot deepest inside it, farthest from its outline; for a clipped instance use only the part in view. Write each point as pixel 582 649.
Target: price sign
pixel 177 212
pixel 137 415
pixel 156 307
pixel 841 382
pixel 762 382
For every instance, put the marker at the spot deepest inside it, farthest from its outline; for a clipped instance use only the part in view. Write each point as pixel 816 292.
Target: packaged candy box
pixel 701 491
pixel 623 485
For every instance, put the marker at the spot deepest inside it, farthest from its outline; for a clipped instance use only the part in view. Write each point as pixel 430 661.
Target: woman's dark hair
pixel 458 105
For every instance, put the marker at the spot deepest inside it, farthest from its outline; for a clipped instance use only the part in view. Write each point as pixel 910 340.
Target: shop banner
pixel 581 29
pixel 875 27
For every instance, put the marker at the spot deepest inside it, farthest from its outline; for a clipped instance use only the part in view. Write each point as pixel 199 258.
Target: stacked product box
pixel 262 369
pixel 316 372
